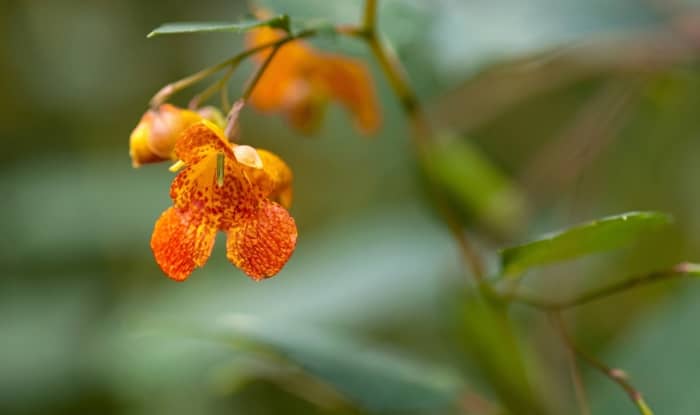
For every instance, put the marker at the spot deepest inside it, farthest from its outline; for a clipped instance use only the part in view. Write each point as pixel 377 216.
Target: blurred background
pixel 567 110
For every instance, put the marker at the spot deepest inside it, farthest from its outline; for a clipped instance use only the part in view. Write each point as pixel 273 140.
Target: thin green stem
pixel 396 75
pixel 577 382
pixel 370 15
pixel 616 375
pixel 579 388
pixel 681 270
pixel 221 84
pixel 167 91
pixel 469 254
pixel 225 101
pixel 259 73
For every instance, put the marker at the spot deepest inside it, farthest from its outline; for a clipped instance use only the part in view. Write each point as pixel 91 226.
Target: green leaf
pixel 368 376
pixel 599 235
pixel 473 183
pixel 149 349
pixel 491 346
pixel 279 22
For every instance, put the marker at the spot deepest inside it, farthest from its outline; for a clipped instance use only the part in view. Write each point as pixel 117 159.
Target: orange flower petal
pixel 285 82
pixel 273 89
pixel 262 244
pixel 351 83
pixel 196 189
pixel 305 105
pixel 295 52
pixel 281 176
pixel 199 140
pixel 180 243
pixel 300 80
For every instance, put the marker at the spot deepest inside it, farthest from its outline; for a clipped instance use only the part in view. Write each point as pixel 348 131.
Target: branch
pixel 167 91
pixel 198 99
pixel 616 375
pixel 577 382
pixel 680 270
pixel 259 73
pixel 370 16
pixel 396 75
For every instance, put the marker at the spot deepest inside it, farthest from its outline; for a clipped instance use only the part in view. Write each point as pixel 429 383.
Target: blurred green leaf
pixel 474 183
pixel 396 280
pixel 280 22
pixel 375 379
pixel 366 375
pixel 599 235
pixel 39 349
pixel 488 338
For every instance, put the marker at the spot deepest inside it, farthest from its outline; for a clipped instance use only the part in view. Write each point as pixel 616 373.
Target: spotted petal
pixel 181 242
pixel 263 243
pixel 200 140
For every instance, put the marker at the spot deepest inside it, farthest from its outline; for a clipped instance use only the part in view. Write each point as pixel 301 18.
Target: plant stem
pixel 680 270
pixel 259 73
pixel 167 91
pixel 370 15
pixel 225 101
pixel 391 67
pixel 396 75
pixel 616 375
pixel 577 382
pixel 198 99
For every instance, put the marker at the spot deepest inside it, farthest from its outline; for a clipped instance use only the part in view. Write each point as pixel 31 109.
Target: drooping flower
pixel 300 81
pixel 237 189
pixel 153 139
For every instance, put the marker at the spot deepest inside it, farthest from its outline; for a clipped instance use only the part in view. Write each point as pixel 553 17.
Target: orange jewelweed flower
pixel 300 81
pixel 153 139
pixel 227 187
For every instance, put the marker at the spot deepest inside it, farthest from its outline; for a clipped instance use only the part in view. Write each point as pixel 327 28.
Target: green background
pixel 561 111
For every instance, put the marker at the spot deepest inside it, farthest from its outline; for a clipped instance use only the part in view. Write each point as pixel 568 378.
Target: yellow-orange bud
pixel 153 139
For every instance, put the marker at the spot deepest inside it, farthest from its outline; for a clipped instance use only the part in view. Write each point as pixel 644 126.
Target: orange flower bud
pixel 153 139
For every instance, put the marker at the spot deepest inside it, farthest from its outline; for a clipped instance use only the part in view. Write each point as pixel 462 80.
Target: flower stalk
pixel 398 80
pixel 259 73
pixel 616 375
pixel 681 270
pixel 219 85
pixel 169 90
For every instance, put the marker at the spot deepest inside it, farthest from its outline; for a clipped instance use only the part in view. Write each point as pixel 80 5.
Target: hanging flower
pixel 154 137
pixel 300 81
pixel 233 188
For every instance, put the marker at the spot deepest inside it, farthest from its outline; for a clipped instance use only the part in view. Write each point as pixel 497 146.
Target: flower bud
pixel 153 139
